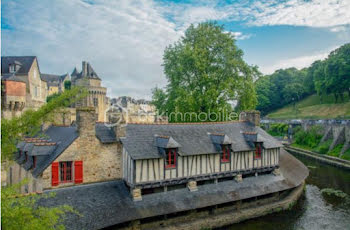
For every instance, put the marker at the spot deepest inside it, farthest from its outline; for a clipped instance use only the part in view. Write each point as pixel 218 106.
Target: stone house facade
pixel 68 155
pixel 22 69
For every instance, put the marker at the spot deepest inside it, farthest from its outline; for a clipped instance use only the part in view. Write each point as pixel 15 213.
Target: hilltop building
pixel 55 83
pixel 130 110
pixel 97 94
pixel 22 85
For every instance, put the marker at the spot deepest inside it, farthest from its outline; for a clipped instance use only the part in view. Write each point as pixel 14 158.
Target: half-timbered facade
pixel 157 155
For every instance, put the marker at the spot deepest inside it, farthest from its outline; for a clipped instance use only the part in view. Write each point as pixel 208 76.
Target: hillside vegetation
pixel 290 89
pixel 311 108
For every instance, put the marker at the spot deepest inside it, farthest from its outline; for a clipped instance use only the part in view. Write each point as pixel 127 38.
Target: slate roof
pixel 12 77
pixel 25 62
pixel 105 134
pixel 194 138
pixel 106 204
pixel 53 79
pixel 89 73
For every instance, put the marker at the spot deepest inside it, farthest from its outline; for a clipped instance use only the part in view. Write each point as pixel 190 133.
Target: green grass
pixel 335 152
pixel 346 155
pixel 323 148
pixel 311 108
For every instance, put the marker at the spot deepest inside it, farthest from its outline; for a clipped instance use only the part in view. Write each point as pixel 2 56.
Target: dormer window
pixel 257 154
pixel 170 161
pixel 226 153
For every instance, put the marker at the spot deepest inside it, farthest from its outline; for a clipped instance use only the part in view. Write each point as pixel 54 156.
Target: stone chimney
pixel 120 130
pixel 84 68
pixel 86 120
pixel 252 116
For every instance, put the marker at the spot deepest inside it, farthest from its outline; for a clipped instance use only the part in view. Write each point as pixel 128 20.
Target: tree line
pixel 324 77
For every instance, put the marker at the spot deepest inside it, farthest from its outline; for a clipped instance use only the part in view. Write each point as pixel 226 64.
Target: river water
pixel 314 211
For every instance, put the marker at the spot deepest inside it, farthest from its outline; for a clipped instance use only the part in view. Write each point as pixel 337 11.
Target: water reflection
pixel 313 211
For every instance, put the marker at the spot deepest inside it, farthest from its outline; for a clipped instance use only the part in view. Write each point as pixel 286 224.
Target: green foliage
pixel 278 129
pixel 346 155
pixel 29 123
pixel 310 138
pixel 327 77
pixel 67 85
pixel 205 71
pixel 22 211
pixel 52 97
pixel 335 152
pixel 280 88
pixel 324 147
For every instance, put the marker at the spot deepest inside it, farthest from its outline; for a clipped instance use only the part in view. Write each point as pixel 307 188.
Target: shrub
pixel 278 129
pixel 310 138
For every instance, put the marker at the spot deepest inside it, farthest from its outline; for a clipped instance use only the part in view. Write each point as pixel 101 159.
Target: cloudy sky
pixel 124 40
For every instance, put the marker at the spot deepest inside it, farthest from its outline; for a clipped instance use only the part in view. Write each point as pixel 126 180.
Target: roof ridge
pixel 188 123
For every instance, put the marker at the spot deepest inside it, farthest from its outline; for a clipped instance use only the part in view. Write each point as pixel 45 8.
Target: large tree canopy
pixel 205 72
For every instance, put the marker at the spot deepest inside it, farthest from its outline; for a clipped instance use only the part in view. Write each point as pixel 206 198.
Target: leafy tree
pixel 18 211
pixel 52 96
pixel 67 85
pixel 22 212
pixel 205 71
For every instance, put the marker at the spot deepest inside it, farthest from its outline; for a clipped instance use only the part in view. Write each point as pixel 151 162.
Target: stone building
pixel 55 83
pixel 67 155
pixel 97 94
pixel 133 111
pixel 16 70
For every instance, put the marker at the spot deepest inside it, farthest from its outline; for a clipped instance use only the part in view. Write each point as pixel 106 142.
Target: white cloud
pixel 297 62
pixel 240 35
pixel 314 13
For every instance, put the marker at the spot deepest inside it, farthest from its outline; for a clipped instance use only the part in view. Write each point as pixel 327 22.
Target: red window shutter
pixel 78 169
pixel 54 171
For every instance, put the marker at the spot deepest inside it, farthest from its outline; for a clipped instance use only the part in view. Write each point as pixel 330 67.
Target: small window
pixel 257 154
pixel 171 158
pixel 65 171
pixel 12 68
pixel 95 102
pixel 26 156
pixel 225 155
pixel 34 73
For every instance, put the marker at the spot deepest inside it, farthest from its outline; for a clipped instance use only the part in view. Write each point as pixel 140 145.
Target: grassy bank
pixel 311 108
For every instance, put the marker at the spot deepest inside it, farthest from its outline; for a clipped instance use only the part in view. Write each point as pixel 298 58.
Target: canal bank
pixel 313 211
pixel 335 161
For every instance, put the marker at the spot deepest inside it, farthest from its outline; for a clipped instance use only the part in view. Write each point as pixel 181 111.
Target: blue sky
pixel 124 40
